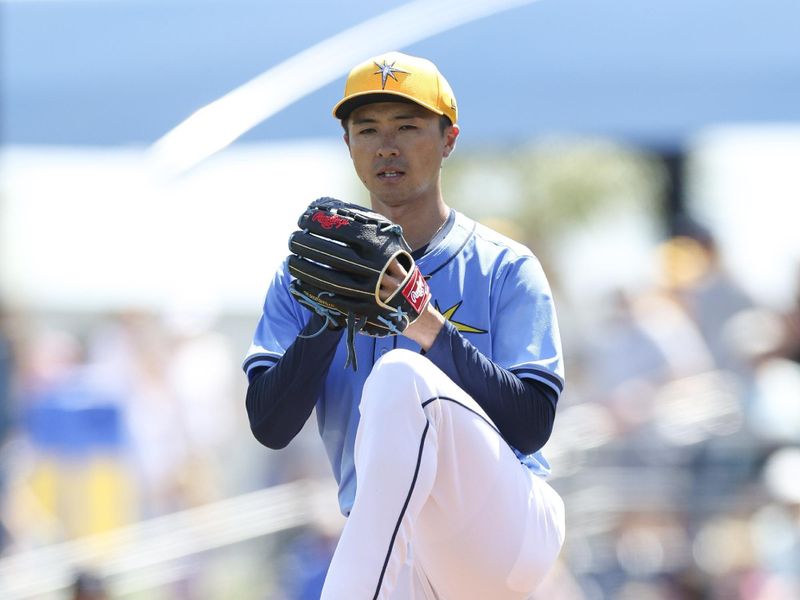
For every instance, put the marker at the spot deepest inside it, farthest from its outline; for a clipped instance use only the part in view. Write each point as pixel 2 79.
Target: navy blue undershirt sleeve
pixel 280 398
pixel 523 410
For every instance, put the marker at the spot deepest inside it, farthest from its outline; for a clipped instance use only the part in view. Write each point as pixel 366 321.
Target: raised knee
pixel 399 367
pixel 394 378
pixel 398 361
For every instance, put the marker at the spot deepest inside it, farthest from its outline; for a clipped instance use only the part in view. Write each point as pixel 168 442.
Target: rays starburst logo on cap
pixel 387 71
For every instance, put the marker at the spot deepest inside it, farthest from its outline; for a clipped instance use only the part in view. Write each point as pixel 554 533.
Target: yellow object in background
pixel 87 495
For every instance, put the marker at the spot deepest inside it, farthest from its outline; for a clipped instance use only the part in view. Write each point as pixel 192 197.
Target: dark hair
pixel 444 123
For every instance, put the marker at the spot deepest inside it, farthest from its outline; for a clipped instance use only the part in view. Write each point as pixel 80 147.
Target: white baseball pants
pixel 443 509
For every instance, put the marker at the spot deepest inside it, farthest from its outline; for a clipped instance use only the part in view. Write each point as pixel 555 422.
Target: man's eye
pixel 367 130
pixel 407 127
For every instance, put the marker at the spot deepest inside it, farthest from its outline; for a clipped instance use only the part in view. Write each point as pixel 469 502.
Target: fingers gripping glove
pixel 339 258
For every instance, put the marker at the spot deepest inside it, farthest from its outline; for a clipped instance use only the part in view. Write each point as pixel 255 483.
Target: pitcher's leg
pixel 395 459
pixel 432 470
pixel 490 529
pixel 502 547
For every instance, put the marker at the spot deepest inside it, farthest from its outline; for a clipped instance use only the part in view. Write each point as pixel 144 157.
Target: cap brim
pixel 343 109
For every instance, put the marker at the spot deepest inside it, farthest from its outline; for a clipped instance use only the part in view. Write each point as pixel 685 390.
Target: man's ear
pixel 450 135
pixel 346 138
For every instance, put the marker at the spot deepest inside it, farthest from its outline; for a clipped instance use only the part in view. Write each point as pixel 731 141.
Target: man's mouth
pixel 390 174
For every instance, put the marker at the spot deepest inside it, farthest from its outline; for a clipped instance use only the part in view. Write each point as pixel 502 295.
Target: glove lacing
pixel 392 228
pixel 322 311
pixel 353 324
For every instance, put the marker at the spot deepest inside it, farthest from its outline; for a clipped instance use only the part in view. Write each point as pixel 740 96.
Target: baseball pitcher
pixel 429 346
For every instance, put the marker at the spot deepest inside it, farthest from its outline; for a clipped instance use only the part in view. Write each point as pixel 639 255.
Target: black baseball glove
pixel 339 258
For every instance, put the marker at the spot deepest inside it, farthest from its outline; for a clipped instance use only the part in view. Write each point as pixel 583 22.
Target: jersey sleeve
pixel 281 320
pixel 527 341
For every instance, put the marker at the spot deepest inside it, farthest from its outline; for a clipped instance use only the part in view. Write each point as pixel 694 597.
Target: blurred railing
pixel 140 555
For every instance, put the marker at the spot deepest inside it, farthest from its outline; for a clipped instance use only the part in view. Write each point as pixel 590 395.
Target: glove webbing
pixel 352 323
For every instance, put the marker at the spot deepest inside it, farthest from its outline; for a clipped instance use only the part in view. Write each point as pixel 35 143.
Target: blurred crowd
pixel 678 444
pixel 131 413
pixel 676 448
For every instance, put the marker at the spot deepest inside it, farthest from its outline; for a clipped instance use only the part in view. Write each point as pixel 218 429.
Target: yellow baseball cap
pixel 397 74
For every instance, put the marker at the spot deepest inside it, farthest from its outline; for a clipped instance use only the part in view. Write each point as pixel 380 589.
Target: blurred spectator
pixel 177 376
pixel 88 586
pixel 74 426
pixel 305 560
pixel 200 377
pixel 693 272
pixel 790 346
pixel 6 413
pixel 646 342
pixel 6 374
pixel 769 342
pixel 131 350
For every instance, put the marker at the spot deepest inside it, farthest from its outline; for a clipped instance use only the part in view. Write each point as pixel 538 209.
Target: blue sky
pixel 124 72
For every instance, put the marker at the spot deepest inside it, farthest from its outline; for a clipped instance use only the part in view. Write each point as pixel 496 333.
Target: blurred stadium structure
pixel 154 552
pixel 648 154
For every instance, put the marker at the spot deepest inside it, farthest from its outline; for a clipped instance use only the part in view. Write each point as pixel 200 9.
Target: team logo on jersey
pixel 387 71
pixel 451 312
pixel 329 221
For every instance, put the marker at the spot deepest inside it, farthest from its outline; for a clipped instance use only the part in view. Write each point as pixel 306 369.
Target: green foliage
pixel 553 186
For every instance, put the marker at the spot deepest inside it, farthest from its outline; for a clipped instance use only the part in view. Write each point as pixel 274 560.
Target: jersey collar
pixel 441 253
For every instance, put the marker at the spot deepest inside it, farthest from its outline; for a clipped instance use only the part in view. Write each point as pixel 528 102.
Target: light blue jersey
pixel 491 288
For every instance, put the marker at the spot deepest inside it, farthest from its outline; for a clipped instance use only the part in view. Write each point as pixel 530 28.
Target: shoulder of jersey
pixel 494 238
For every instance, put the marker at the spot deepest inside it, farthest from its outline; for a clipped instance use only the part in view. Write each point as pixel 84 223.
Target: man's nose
pixel 388 147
